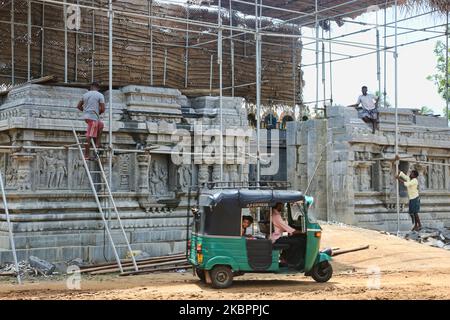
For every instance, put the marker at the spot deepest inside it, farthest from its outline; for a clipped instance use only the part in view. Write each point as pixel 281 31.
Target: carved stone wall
pixel 53 211
pixel 359 167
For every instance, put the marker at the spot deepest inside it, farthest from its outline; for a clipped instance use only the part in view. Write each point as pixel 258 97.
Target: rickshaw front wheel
pixel 200 274
pixel 221 277
pixel 322 271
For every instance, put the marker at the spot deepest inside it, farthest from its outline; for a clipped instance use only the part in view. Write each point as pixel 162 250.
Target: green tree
pixel 426 110
pixel 441 77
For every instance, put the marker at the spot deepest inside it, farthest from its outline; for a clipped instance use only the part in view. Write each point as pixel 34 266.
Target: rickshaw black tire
pixel 200 274
pixel 322 272
pixel 221 277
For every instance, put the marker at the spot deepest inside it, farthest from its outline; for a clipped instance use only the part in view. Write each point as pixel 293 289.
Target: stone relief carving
pixel 78 172
pixel 124 171
pixel 184 177
pixel 61 171
pixel 437 175
pixel 362 180
pixel 52 170
pixel 158 179
pixel 203 175
pixel 11 173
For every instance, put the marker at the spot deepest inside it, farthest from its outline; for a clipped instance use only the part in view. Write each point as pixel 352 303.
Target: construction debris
pixel 25 269
pixel 439 238
pixel 42 266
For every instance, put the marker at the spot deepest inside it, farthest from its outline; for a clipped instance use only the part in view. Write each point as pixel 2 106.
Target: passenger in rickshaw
pixel 289 255
pixel 246 223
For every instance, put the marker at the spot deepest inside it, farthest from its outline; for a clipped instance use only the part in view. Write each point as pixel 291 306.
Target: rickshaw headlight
pixel 199 247
pixel 318 234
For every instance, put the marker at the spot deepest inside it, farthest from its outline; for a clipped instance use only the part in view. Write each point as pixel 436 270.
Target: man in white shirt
pixel 369 112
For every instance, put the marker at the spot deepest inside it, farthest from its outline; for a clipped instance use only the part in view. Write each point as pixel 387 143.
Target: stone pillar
pixel 143 172
pixel 23 166
pixel 386 168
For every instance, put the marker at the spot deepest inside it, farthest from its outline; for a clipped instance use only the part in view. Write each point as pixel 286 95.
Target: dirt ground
pixel 392 268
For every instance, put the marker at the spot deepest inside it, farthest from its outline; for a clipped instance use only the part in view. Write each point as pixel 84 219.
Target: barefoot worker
pixel 412 185
pixel 92 105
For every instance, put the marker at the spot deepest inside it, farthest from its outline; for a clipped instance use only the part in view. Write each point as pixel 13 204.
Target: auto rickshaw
pixel 218 252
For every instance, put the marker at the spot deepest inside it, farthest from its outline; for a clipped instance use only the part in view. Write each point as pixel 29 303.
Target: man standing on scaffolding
pixel 369 104
pixel 93 105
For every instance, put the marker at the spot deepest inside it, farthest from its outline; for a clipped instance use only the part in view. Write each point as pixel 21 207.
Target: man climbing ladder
pixel 92 105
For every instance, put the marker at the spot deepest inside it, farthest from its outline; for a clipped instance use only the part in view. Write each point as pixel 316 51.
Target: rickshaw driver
pixel 280 226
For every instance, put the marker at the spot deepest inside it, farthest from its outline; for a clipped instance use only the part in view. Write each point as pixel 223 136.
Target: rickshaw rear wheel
pixel 221 277
pixel 322 271
pixel 200 274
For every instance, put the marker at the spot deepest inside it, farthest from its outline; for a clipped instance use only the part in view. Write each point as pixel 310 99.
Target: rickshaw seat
pixel 280 246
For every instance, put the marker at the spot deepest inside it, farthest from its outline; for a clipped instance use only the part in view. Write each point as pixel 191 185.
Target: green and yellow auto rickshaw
pixel 218 251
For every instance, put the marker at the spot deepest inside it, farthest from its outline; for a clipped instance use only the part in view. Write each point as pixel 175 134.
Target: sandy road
pixel 392 268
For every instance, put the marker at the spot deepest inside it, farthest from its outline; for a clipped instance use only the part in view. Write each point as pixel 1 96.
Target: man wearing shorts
pixel 369 112
pixel 92 105
pixel 411 183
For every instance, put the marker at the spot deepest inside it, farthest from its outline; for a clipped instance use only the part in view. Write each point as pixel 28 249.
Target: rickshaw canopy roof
pixel 251 198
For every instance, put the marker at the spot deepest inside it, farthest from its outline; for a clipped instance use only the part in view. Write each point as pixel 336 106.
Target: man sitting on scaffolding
pixel 92 105
pixel 369 112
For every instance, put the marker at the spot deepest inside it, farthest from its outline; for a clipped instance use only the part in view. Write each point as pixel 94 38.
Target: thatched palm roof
pixel 441 5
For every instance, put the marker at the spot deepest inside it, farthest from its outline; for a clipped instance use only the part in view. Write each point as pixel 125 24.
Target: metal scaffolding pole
pixel 316 105
pixel 165 67
pixel 65 42
pixel 29 41
pixel 211 73
pixel 232 50
pixel 76 50
pixel 378 56
pixel 93 44
pixel 385 59
pixel 150 26
pixel 258 96
pixel 110 87
pixel 447 98
pixel 186 54
pixel 397 184
pixel 42 38
pixel 13 80
pixel 220 61
pixel 331 70
pixel 323 74
pixel 10 229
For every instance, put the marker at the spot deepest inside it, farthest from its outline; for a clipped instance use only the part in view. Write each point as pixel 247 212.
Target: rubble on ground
pixel 439 238
pixel 25 269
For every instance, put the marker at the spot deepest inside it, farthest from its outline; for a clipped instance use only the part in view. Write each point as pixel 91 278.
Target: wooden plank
pixel 129 262
pixel 111 270
pixel 33 81
pixel 336 253
pixel 186 266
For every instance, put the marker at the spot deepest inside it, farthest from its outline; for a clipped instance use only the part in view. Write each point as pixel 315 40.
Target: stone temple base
pixel 52 207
